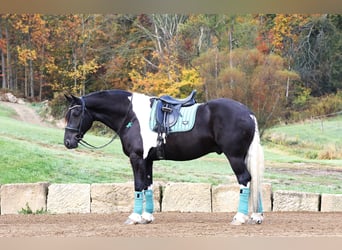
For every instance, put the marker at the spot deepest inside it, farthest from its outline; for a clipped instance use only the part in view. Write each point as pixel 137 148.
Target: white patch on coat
pixel 141 108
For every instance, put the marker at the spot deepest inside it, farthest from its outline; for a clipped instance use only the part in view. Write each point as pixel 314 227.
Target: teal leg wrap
pixel 138 202
pixel 149 205
pixel 260 207
pixel 243 204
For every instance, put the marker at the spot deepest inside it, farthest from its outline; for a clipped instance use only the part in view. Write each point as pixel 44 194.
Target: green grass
pixel 317 140
pixel 23 161
pixel 305 156
pixel 6 112
pixel 31 153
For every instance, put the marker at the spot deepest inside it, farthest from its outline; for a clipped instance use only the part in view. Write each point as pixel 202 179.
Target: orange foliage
pixel 255 79
pixel 175 81
pixel 284 29
pixel 3 45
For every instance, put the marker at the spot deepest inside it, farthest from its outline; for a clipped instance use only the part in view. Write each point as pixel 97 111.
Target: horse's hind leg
pixel 243 177
pixel 249 171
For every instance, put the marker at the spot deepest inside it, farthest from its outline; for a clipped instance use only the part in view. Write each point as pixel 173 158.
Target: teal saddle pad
pixel 185 122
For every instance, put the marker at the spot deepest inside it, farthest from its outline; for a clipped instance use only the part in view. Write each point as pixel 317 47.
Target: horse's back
pixel 229 106
pixel 230 111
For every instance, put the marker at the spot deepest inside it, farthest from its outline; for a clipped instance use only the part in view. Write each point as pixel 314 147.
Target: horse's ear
pixel 76 99
pixel 69 98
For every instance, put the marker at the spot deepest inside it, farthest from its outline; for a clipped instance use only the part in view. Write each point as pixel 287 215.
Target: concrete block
pixel 15 197
pixel 117 197
pixel 267 196
pixel 225 198
pixel 187 197
pixel 331 203
pixel 295 201
pixel 69 198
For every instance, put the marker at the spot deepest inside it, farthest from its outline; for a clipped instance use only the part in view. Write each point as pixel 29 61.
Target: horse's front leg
pixel 147 215
pixel 143 193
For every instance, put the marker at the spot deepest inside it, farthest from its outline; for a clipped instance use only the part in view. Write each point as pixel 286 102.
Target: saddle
pixel 166 111
pixel 188 101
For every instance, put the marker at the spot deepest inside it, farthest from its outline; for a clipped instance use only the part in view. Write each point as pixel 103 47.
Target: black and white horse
pixel 221 126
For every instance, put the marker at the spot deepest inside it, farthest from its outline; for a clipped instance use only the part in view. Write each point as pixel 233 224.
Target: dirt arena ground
pixel 276 224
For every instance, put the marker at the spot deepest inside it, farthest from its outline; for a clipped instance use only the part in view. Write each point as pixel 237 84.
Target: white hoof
pixel 133 219
pixel 147 218
pixel 239 219
pixel 257 218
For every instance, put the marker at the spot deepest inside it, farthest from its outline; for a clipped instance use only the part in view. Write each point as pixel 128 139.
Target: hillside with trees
pixel 284 67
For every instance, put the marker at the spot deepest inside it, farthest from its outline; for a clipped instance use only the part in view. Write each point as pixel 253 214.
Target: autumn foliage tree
pixel 30 50
pixel 271 62
pixel 257 80
pixel 162 71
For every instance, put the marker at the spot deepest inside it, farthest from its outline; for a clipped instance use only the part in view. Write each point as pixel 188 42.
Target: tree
pixel 319 40
pixel 156 68
pixel 336 55
pixel 255 59
pixel 73 60
pixel 2 51
pixel 259 80
pixel 26 37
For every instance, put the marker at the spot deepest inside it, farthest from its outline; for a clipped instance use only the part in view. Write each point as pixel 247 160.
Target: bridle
pixel 78 129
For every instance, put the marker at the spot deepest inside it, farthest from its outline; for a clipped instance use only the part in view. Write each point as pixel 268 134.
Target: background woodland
pixel 284 67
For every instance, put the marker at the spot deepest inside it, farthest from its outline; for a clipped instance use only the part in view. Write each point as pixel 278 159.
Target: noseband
pixel 78 129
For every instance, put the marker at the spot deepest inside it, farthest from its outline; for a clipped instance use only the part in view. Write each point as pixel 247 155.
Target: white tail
pixel 255 166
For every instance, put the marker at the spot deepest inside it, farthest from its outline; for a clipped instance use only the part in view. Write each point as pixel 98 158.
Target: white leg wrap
pixel 147 218
pixel 239 219
pixel 133 219
pixel 257 218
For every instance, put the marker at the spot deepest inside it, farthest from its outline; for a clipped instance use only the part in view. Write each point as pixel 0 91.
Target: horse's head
pixel 79 121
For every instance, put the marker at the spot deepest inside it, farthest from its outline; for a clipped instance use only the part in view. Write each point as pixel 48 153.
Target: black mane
pixel 110 92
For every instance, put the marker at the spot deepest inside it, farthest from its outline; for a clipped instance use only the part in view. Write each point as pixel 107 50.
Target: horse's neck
pixel 110 114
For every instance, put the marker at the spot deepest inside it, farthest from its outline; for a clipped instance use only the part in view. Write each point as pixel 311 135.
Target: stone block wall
pixel 187 197
pixel 225 198
pixel 295 201
pixel 16 197
pixel 117 197
pixel 178 197
pixel 68 198
pixel 331 203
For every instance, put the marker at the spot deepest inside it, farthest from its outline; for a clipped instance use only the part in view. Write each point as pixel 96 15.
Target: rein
pixel 84 143
pixel 90 146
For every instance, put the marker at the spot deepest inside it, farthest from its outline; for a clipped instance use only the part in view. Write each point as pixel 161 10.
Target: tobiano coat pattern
pixel 222 126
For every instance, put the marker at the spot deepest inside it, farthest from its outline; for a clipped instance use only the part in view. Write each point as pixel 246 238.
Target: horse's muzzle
pixel 70 144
